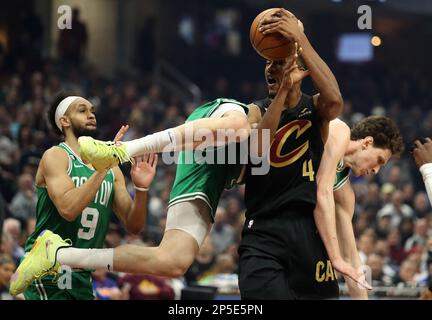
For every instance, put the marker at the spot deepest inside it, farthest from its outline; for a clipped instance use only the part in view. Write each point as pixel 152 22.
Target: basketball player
pixel 363 150
pixel 281 253
pixel 76 202
pixel 193 198
pixel 422 154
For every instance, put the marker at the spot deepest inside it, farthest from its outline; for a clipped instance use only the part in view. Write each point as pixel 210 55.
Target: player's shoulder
pixel 339 131
pixel 54 154
pixel 339 126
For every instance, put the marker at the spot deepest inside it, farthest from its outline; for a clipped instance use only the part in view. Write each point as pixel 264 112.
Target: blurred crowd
pixel 393 217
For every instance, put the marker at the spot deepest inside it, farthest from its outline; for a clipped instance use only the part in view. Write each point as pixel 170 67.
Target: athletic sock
pixel 86 258
pixel 162 141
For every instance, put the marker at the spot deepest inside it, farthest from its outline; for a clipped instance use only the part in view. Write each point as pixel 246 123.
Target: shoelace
pixel 119 153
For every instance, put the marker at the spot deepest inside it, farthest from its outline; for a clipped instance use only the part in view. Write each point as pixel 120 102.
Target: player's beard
pixel 82 131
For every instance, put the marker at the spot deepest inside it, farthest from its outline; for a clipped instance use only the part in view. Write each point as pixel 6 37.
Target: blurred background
pixel 150 63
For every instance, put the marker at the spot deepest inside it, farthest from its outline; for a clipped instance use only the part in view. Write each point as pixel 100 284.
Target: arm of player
pixel 267 127
pixel 345 202
pixel 325 210
pixel 69 200
pixel 329 101
pixel 324 213
pixel 422 154
pixel 133 213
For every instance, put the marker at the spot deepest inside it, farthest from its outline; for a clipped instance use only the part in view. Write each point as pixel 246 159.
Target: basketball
pixel 271 46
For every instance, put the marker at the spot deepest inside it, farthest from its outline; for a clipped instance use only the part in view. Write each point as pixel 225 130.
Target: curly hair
pixel 383 130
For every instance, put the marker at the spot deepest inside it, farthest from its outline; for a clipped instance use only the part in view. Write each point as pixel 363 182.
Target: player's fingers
pixel 269 20
pixel 299 50
pixel 121 133
pixel 362 282
pixel 418 144
pixel 150 159
pixel 270 30
pixel 155 160
pixel 146 158
pixel 291 68
pixel 428 139
pixel 304 74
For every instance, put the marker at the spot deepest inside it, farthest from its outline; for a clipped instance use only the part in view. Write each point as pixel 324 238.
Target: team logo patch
pixel 282 160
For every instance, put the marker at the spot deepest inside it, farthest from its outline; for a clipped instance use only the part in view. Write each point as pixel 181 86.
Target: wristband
pixel 141 189
pixel 426 170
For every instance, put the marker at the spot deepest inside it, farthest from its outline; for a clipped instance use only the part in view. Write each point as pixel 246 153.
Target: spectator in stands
pixel 421 205
pixel 418 239
pixel 146 287
pixel 222 233
pixel 7 268
pixel 106 288
pixel 397 209
pixel 405 277
pixel 379 277
pixel 23 206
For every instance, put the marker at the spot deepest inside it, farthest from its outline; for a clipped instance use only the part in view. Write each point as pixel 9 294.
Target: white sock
pixel 86 258
pixel 162 141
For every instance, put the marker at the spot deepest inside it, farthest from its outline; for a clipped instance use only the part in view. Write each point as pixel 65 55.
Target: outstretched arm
pixel 329 100
pixel 344 202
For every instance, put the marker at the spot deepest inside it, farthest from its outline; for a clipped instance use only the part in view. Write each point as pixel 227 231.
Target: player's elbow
pixel 237 123
pixel 134 229
pixel 324 193
pixel 68 214
pixel 242 128
pixel 333 106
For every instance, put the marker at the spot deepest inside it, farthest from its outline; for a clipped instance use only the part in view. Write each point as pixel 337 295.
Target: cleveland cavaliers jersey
pixel 295 154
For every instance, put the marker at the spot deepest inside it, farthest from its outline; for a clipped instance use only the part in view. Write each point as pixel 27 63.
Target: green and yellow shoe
pixel 101 154
pixel 40 261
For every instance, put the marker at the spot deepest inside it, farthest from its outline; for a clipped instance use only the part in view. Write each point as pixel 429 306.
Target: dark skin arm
pixel 329 101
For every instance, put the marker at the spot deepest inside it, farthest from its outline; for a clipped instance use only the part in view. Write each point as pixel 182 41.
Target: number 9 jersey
pixel 88 230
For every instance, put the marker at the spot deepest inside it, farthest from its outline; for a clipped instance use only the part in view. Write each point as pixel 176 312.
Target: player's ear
pixel 367 142
pixel 64 121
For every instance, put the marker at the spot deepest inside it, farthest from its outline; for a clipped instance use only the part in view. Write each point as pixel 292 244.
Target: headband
pixel 62 108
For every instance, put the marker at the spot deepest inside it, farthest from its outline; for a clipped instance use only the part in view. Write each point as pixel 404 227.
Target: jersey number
pixel 308 170
pixel 89 220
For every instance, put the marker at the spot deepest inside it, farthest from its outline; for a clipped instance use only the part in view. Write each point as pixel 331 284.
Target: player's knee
pixel 241 127
pixel 240 123
pixel 176 265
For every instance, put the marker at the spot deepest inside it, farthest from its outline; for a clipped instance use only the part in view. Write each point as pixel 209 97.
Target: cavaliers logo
pixel 281 160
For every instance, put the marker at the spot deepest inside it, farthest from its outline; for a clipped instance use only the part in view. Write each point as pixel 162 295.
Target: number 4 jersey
pixel 88 230
pixel 294 156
